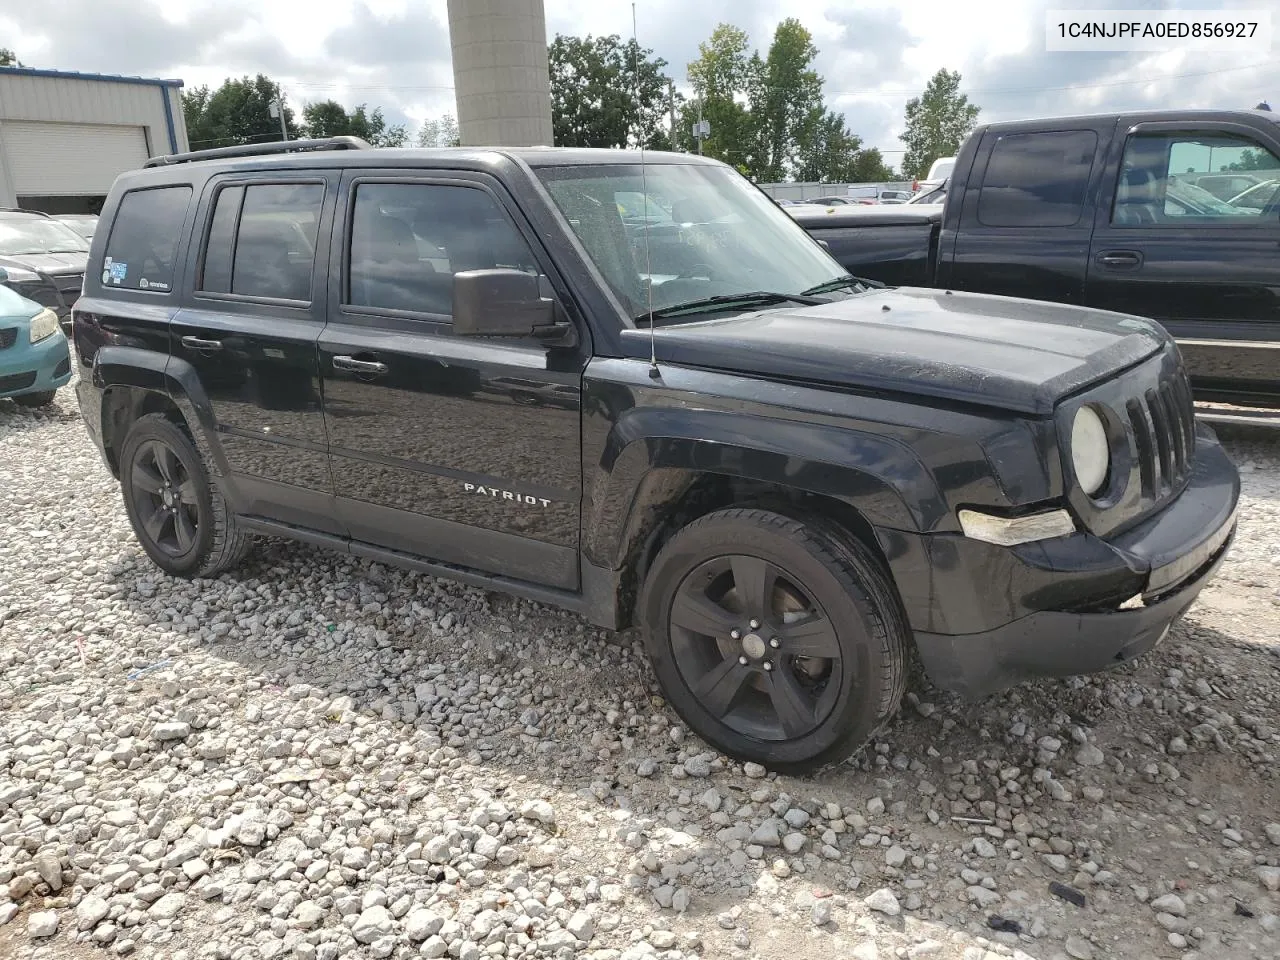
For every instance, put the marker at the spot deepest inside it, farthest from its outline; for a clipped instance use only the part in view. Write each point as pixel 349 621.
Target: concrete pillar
pixel 500 72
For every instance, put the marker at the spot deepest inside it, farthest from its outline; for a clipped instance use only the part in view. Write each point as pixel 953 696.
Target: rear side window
pixel 262 241
pixel 143 243
pixel 1037 179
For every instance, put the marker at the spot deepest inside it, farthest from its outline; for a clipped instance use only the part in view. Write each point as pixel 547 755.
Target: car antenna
pixel 654 373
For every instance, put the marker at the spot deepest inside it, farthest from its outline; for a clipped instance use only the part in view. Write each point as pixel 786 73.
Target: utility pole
pixel 276 109
pixel 671 107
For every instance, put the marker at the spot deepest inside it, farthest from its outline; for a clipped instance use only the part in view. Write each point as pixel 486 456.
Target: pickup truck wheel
pixel 776 641
pixel 177 511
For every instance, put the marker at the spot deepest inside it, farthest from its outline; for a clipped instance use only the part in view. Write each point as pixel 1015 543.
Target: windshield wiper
pixel 755 298
pixel 839 283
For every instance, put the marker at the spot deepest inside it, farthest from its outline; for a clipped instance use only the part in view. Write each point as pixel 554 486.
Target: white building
pixel 64 137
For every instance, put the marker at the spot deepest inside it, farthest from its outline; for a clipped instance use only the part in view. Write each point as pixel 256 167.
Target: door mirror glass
pixel 499 303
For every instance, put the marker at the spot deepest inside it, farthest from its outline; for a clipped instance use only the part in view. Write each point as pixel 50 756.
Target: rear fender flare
pixel 154 372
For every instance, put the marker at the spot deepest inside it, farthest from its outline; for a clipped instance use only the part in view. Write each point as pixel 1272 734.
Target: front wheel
pixel 40 399
pixel 776 641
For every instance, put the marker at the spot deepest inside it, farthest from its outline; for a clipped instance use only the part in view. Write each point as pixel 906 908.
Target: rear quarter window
pixel 1037 179
pixel 143 243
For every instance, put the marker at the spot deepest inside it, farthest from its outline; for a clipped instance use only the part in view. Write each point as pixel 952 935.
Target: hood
pixel 1019 355
pixel 51 263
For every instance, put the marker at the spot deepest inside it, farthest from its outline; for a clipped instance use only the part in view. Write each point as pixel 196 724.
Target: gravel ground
pixel 319 758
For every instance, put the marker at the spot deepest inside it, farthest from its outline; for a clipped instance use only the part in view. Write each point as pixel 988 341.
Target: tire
pixel 817 590
pixel 175 507
pixel 41 399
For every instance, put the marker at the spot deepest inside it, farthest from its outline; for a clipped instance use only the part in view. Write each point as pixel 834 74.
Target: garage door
pixel 69 159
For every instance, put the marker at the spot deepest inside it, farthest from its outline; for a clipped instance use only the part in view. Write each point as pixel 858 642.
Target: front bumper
pixel 1167 559
pixel 34 367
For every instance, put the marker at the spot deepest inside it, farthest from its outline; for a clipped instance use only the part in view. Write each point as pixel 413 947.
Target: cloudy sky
pixel 875 55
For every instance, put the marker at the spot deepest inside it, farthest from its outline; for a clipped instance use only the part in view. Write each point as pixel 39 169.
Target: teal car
pixel 35 359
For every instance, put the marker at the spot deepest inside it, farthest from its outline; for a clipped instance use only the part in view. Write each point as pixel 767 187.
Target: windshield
pixel 705 231
pixel 38 235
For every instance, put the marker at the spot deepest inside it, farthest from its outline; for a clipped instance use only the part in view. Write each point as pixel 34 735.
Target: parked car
pixel 784 476
pixel 1261 196
pixel 44 259
pixel 1098 211
pixel 34 359
pixel 82 223
pixel 939 171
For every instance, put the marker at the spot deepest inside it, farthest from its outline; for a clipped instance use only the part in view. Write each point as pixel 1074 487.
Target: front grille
pixel 18 381
pixel 8 337
pixel 1164 433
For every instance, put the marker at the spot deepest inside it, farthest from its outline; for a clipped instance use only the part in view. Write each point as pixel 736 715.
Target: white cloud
pixel 875 54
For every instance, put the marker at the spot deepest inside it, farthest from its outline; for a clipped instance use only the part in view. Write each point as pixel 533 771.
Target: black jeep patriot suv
pixel 645 394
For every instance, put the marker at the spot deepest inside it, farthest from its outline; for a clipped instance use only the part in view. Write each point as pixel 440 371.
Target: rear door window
pixel 144 238
pixel 1037 179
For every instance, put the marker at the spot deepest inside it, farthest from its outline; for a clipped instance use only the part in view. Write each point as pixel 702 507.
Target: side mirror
pixel 4 275
pixel 500 303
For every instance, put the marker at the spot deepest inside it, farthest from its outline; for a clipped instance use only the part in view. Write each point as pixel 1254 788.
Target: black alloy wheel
pixel 176 508
pixel 164 497
pixel 778 640
pixel 755 648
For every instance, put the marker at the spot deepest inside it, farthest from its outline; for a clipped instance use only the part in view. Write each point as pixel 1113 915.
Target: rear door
pixel 249 337
pixel 465 450
pixel 1206 268
pixel 1025 223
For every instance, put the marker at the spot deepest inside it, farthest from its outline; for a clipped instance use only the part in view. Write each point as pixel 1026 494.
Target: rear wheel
pixel 177 511
pixel 41 399
pixel 776 641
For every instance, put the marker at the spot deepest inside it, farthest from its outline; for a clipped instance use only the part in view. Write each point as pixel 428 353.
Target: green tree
pixel 722 74
pixel 1253 160
pixel 328 118
pixel 9 59
pixel 937 123
pixel 788 114
pixel 607 93
pixel 239 111
pixel 440 132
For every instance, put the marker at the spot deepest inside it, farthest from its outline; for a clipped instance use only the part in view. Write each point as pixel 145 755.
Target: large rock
pixel 372 924
pixel 42 923
pixel 883 901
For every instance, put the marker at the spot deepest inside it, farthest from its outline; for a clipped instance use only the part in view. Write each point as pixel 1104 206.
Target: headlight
pixel 43 324
pixel 1090 451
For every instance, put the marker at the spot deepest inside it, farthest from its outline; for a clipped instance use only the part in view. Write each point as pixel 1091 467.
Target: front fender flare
pixel 879 476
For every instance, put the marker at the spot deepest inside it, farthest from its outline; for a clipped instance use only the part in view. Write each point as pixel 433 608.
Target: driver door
pixel 464 450
pixel 1202 267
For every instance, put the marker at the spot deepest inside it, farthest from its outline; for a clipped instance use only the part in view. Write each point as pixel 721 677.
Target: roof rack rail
pixel 261 149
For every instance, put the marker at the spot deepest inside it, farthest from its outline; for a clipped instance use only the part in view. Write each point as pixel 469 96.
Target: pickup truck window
pixel 408 240
pixel 721 236
pixel 1171 177
pixel 1037 179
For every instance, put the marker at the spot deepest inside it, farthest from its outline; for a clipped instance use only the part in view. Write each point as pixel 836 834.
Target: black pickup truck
pixel 676 412
pixel 1172 215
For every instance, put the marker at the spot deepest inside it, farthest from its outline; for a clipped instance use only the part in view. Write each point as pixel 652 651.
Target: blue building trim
pixel 76 75
pixel 164 85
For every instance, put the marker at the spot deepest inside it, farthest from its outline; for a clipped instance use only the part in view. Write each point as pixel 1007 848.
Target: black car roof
pixel 1137 116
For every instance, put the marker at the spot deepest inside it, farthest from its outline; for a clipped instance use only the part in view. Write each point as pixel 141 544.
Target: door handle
pixel 369 368
pixel 1120 258
pixel 205 346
